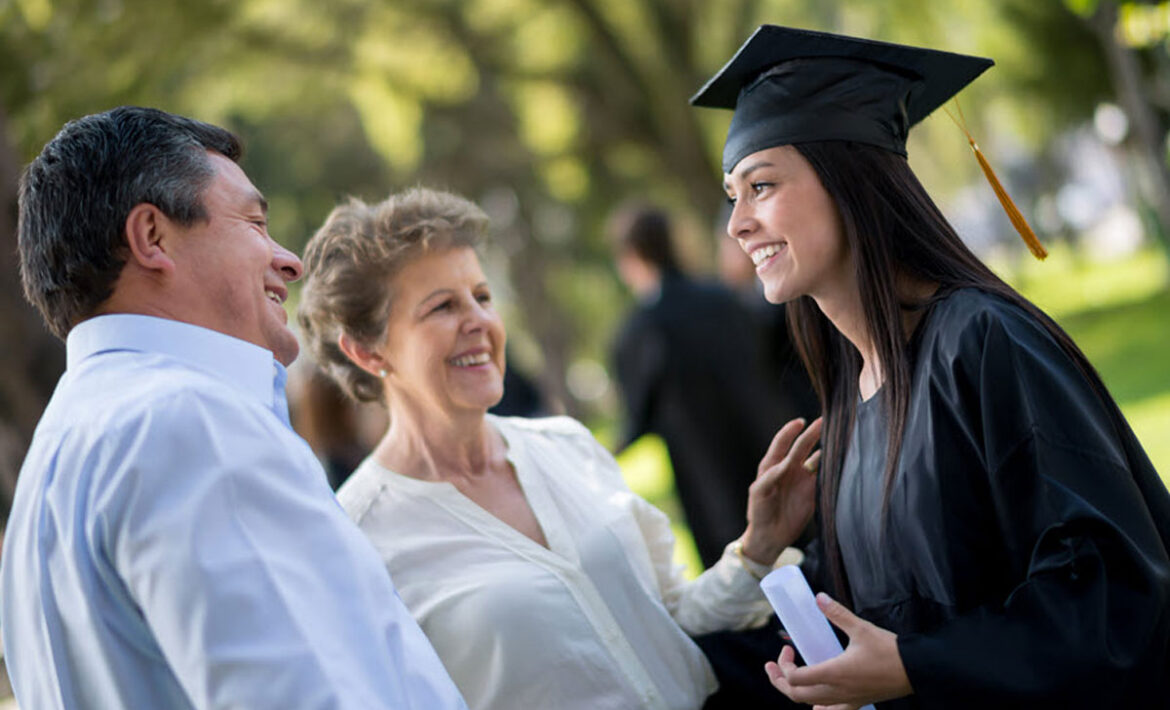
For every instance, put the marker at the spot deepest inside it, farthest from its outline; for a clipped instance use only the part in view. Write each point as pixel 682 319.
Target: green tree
pixel 548 112
pixel 1100 50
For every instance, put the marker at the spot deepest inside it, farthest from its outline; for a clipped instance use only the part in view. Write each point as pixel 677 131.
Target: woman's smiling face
pixel 445 340
pixel 786 222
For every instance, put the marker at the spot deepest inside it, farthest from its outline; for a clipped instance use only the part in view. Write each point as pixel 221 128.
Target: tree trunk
pixel 529 272
pixel 1149 133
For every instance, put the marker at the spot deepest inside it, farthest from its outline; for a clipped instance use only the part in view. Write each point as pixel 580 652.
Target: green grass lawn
pixel 1118 312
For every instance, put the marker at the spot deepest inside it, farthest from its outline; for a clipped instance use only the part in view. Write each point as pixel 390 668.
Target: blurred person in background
pixel 172 542
pixel 540 578
pixel 689 369
pixel 522 395
pixel 330 422
pixel 994 533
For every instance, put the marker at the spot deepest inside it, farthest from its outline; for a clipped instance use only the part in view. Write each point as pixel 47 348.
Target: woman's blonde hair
pixel 350 264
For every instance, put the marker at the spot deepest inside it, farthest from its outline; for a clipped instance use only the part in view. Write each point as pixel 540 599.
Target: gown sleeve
pixel 1088 621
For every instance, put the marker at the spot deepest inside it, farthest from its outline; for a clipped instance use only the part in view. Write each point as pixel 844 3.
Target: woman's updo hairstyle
pixel 350 265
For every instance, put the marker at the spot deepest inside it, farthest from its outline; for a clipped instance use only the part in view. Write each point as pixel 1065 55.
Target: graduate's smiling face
pixel 785 221
pixel 444 349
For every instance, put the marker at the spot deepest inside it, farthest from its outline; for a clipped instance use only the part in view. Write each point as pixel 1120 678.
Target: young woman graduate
pixel 985 510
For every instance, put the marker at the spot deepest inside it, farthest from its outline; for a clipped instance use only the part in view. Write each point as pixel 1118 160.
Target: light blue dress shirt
pixel 174 544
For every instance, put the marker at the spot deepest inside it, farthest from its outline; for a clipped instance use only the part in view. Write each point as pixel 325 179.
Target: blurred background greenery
pixel 550 113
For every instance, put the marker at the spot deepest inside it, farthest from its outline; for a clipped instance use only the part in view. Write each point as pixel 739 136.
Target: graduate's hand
pixel 869 671
pixel 782 498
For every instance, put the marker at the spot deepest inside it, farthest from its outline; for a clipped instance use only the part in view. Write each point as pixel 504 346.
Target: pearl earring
pixel 382 372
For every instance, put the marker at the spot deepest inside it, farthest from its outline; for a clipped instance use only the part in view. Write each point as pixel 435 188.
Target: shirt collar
pixel 246 367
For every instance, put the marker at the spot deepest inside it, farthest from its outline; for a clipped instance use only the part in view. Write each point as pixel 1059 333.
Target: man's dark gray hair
pixel 76 195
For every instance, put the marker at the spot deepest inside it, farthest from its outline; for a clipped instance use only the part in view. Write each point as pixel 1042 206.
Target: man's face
pixel 235 274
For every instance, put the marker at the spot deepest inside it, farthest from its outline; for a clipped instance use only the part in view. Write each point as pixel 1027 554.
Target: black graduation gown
pixel 688 367
pixel 1024 559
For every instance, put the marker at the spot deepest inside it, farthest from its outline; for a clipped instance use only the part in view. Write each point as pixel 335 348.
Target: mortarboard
pixel 791 85
pixel 795 86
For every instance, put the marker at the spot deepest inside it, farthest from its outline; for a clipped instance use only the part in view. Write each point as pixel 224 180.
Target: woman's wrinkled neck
pixel 439 446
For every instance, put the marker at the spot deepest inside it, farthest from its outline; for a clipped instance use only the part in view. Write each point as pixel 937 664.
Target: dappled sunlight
pixel 1128 344
pixel 1150 419
pixel 1118 312
pixel 1070 282
pixel 392 121
pixel 685 553
pixel 547 115
pixel 646 468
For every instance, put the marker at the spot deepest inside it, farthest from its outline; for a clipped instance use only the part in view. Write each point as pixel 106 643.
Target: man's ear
pixel 148 233
pixel 365 358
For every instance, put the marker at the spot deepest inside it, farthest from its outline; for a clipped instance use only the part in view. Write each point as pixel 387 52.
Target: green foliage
pixel 1070 282
pixel 646 469
pixel 1084 8
pixel 569 106
pixel 1150 419
pixel 1128 342
pixel 552 112
pixel 1144 24
pixel 1116 313
pixel 1052 63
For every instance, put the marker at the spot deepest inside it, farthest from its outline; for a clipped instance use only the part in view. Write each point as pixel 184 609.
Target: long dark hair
pixel 893 230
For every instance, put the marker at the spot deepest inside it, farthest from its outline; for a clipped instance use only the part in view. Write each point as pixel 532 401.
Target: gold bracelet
pixel 743 560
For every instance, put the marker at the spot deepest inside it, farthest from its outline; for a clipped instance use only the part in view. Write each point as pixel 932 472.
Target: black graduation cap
pixel 790 85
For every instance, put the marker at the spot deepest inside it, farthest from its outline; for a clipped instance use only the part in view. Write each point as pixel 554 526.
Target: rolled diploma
pixel 792 598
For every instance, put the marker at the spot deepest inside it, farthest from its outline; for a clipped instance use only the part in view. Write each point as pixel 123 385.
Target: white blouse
pixel 597 620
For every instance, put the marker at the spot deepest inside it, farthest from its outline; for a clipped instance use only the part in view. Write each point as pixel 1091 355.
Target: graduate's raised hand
pixel 782 498
pixel 869 671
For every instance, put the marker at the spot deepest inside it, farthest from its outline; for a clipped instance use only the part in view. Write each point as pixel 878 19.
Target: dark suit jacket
pixel 689 366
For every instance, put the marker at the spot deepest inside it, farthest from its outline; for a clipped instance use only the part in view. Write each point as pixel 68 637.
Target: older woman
pixel 541 580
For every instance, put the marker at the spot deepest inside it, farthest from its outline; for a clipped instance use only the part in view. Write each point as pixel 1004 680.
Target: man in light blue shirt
pixel 173 543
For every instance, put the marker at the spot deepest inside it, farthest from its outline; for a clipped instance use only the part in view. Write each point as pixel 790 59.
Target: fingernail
pixel 824 598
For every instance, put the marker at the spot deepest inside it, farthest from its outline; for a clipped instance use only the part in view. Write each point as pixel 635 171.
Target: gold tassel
pixel 1009 206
